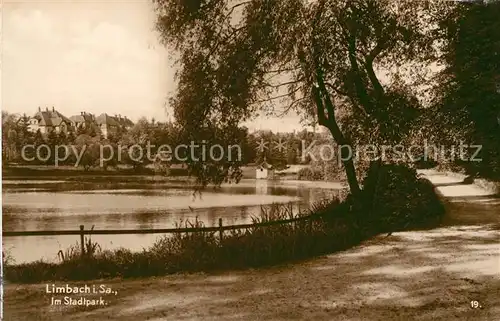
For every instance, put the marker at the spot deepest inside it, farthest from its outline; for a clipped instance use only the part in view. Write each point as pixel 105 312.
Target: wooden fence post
pixel 220 230
pixel 82 240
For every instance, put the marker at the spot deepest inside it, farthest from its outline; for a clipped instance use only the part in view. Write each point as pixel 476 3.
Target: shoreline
pixel 50 173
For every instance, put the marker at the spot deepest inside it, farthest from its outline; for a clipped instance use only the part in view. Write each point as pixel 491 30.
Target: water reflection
pixel 56 205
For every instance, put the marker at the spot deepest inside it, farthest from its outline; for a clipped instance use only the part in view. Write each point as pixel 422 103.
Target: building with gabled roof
pixel 49 120
pixel 112 124
pixel 264 170
pixel 107 124
pixel 84 120
pixel 52 120
pixel 124 121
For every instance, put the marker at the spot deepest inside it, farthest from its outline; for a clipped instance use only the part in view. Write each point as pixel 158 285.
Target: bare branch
pixel 284 83
pixel 218 43
pixel 278 97
pixel 290 107
pixel 231 10
pixel 277 71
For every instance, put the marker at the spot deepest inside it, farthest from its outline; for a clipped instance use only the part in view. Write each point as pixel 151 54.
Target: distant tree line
pixel 278 149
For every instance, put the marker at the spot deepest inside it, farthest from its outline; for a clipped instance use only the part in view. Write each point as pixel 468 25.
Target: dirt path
pixel 424 275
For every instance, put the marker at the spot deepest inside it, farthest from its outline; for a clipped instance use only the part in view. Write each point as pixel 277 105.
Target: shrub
pixel 308 174
pixel 423 163
pixel 397 198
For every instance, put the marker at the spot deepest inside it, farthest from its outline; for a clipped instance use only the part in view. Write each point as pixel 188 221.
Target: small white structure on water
pixel 264 171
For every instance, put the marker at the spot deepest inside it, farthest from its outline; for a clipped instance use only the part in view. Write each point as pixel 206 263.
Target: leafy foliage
pixel 400 199
pixel 319 58
pixel 468 97
pixel 309 174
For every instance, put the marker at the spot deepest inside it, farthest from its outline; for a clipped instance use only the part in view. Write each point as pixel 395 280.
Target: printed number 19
pixel 474 304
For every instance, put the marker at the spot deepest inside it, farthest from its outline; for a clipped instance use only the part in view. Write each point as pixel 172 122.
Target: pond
pixel 135 204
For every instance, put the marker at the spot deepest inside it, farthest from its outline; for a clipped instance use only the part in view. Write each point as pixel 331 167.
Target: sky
pixel 92 56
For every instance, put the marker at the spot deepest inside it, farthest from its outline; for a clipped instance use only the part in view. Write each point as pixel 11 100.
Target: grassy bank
pixel 47 172
pixel 35 171
pixel 201 251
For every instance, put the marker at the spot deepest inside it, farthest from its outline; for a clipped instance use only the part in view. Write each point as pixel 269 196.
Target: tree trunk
pixel 347 160
pixel 352 180
pixel 371 190
pixel 326 117
pixel 331 123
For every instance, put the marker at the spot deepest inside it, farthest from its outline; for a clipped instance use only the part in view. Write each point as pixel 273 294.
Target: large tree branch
pixel 377 86
pixel 320 94
pixel 324 103
pixel 355 105
pixel 320 108
pixel 356 75
pixel 379 90
pixel 323 98
pixel 330 123
pixel 377 50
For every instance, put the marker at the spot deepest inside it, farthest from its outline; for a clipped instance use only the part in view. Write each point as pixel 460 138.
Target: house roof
pixel 51 118
pixel 264 165
pixel 54 118
pixel 125 121
pixel 106 119
pixel 114 120
pixel 82 118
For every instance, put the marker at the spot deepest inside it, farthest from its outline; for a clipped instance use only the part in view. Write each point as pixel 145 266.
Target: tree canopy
pixel 468 94
pixel 324 59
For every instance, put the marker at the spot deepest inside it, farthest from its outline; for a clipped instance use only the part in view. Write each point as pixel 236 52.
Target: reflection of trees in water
pixel 12 222
pixel 213 217
pixel 229 215
pixel 160 218
pixel 244 213
pixel 317 194
pixel 39 217
pixel 261 187
pixel 50 223
pixel 279 191
pixel 114 218
pixel 239 190
pixel 144 220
